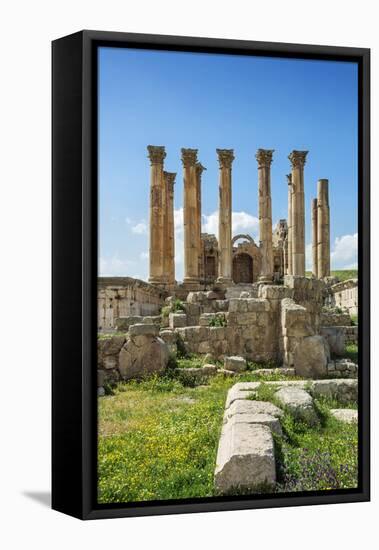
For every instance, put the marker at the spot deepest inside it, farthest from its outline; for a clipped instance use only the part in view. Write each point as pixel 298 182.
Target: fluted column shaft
pixel 289 223
pixel 156 155
pixel 264 158
pixel 323 229
pixel 169 253
pixel 225 159
pixel 297 159
pixel 199 170
pixel 314 239
pixel 190 217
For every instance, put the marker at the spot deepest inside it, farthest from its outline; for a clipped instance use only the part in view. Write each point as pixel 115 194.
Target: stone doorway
pixel 243 268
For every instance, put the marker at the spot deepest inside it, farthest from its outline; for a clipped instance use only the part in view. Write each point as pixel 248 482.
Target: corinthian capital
pixel 264 157
pixel 289 179
pixel 199 169
pixel 298 158
pixel 189 157
pixel 156 154
pixel 170 179
pixel 225 157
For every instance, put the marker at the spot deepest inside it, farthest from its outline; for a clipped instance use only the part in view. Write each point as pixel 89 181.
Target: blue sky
pixel 207 101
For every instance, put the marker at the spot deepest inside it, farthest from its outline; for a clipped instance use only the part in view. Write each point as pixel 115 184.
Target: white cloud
pixel 115 267
pixel 242 222
pixel 140 228
pixel 144 255
pixel 345 252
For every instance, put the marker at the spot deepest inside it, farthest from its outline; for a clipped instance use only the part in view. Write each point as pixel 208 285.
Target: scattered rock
pixel 235 363
pixel 100 392
pixel 143 354
pixel 345 415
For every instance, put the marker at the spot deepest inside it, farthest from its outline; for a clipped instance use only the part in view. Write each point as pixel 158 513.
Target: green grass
pixel 341 274
pixel 158 440
pixel 319 458
pixel 351 351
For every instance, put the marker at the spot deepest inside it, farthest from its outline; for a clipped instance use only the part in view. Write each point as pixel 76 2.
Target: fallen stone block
pixel 299 403
pixel 345 415
pixel 226 373
pixel 245 458
pixel 123 323
pixel 235 363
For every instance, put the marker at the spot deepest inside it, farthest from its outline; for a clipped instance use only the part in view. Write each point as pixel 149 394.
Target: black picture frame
pixel 74 271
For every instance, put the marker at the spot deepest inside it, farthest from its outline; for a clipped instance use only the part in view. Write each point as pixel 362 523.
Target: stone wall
pixel 345 295
pixel 332 319
pixel 351 335
pixel 123 297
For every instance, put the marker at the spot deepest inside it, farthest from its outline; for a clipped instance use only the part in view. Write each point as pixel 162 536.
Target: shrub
pixel 218 321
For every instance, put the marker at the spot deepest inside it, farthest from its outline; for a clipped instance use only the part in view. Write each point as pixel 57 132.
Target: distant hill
pixel 341 274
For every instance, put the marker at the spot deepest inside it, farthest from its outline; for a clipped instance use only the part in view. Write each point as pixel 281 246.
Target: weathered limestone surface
pixel 314 239
pixel 235 363
pixel 333 319
pixel 311 357
pixel 335 336
pixel 169 229
pixel 345 295
pixel 298 402
pixel 245 457
pixel 323 229
pixel 177 320
pixel 143 353
pixel 297 159
pixel 264 158
pixel 157 155
pixel 345 415
pixel 190 218
pixel 119 297
pixel 225 159
pixel 344 390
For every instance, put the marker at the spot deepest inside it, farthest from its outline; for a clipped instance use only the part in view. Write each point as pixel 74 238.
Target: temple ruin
pixel 226 259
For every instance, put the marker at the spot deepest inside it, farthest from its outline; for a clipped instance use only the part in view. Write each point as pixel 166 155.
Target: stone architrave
pixel 289 224
pixel 323 229
pixel 199 170
pixel 169 244
pixel 314 239
pixel 225 159
pixel 297 159
pixel 157 155
pixel 264 158
pixel 190 218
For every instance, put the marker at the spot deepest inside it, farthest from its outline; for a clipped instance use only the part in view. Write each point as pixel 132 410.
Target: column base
pixel 191 283
pixel 157 281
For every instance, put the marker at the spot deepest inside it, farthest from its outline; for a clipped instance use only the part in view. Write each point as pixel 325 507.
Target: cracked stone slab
pixel 241 390
pixel 248 406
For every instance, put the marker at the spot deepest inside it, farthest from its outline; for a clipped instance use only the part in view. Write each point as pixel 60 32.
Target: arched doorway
pixel 242 268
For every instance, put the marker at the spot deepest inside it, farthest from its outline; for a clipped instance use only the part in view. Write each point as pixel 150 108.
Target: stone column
pixel 297 159
pixel 289 223
pixel 285 255
pixel 191 251
pixel 323 229
pixel 199 170
pixel 264 158
pixel 169 257
pixel 225 159
pixel 314 239
pixel 157 214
